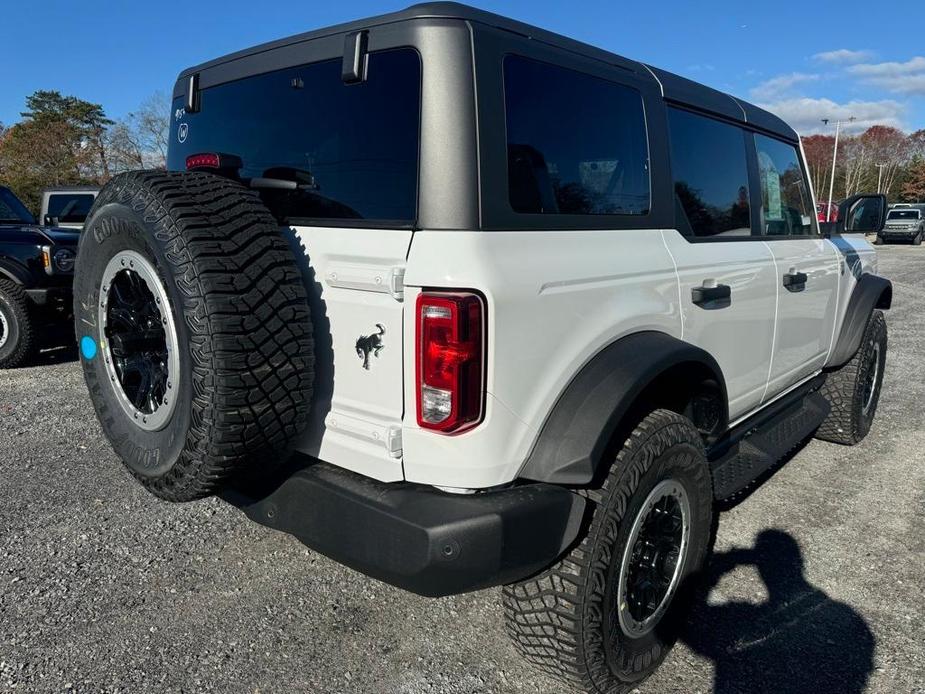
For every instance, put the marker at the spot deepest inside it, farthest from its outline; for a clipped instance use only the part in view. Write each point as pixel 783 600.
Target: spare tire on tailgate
pixel 194 330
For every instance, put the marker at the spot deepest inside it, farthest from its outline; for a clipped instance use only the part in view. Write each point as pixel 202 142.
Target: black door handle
pixel 712 297
pixel 795 280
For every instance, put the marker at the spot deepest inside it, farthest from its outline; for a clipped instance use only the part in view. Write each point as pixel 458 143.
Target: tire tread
pixel 246 309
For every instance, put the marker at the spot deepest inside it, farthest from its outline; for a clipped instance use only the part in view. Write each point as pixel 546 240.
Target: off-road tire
pixel 878 241
pixel 564 620
pixel 242 320
pixel 917 241
pixel 20 343
pixel 848 422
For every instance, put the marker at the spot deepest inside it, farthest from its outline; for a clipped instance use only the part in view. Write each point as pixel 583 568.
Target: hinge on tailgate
pixel 368 279
pixel 393 441
pixel 397 283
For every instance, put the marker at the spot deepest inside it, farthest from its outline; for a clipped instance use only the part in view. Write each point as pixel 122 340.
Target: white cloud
pixel 900 78
pixel 843 56
pixel 805 114
pixel 777 87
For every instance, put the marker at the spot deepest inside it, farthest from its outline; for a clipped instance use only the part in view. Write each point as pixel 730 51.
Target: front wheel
pixel 853 391
pixel 17 335
pixel 606 615
pixel 917 241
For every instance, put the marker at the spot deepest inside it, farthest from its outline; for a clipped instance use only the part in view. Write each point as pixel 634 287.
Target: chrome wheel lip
pixel 4 329
pixel 871 382
pixel 132 261
pixel 630 626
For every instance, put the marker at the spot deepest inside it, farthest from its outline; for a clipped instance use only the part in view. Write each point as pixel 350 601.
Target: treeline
pixel 879 159
pixel 63 140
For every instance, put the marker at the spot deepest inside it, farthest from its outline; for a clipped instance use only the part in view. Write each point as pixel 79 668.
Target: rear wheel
pixel 853 391
pixel 606 615
pixel 194 329
pixel 17 334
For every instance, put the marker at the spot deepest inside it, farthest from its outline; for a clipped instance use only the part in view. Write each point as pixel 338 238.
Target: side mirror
pixel 862 214
pixel 51 221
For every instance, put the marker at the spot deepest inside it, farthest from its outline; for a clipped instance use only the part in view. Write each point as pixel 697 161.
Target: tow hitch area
pixel 416 537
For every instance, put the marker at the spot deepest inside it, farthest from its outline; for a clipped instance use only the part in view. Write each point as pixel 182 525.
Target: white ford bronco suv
pixel 526 309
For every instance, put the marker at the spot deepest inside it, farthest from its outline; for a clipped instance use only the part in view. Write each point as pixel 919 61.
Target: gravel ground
pixel 819 578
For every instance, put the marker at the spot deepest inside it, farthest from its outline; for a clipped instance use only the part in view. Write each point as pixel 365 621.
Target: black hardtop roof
pixel 71 189
pixel 673 87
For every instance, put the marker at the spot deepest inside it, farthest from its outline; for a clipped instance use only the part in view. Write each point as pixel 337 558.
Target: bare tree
pixel 139 141
pixel 888 148
pixel 855 158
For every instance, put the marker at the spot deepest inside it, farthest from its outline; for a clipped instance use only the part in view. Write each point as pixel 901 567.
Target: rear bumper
pixel 417 538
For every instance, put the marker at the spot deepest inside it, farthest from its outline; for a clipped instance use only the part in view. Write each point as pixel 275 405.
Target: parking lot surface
pixel 818 581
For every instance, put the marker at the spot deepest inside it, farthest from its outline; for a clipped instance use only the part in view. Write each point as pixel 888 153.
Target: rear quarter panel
pixel 554 299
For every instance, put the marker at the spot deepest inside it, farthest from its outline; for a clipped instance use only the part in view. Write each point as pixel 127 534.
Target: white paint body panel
pixel 356 413
pixel 554 300
pixel 740 336
pixel 805 319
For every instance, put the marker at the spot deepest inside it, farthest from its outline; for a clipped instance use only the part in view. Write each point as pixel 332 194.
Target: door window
pixel 576 143
pixel 785 200
pixel 710 169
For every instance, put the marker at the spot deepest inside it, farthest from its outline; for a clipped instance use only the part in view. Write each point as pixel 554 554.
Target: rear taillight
pixel 450 360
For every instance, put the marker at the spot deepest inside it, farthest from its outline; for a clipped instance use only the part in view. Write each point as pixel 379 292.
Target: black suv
pixel 36 274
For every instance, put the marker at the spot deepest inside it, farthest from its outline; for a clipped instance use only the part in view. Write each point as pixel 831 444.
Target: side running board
pixel 759 443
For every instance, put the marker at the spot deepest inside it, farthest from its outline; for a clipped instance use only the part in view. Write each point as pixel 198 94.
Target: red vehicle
pixel 822 208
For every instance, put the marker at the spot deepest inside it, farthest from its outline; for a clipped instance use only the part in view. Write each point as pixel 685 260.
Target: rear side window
pixel 576 143
pixel 350 149
pixel 710 169
pixel 70 209
pixel 786 208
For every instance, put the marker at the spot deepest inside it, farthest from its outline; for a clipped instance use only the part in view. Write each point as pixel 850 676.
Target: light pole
pixel 828 209
pixel 880 175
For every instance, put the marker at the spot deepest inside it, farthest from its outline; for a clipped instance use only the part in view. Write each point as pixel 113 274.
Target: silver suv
pixel 904 222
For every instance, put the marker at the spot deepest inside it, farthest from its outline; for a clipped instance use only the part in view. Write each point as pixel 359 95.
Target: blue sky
pixel 803 60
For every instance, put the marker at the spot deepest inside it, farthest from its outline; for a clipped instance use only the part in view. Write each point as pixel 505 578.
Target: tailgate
pixel 357 311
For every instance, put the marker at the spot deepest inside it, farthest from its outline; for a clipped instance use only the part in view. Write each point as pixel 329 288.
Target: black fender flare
pixel 871 292
pixel 14 271
pixel 582 423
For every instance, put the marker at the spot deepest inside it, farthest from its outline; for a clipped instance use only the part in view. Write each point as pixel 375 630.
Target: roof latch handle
pixel 355 49
pixel 192 93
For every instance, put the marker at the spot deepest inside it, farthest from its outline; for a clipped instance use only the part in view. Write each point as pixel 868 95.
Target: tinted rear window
pixel 903 214
pixel 576 143
pixel 70 208
pixel 352 149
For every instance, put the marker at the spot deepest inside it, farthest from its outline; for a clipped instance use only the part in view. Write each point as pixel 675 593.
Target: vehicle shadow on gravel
pixel 798 641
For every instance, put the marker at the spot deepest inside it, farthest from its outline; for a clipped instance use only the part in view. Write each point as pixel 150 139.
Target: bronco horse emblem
pixel 370 344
